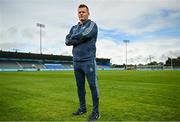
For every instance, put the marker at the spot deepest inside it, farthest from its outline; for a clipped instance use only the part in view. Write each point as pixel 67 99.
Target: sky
pixel 151 26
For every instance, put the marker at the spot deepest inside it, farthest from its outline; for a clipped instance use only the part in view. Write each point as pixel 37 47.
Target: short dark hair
pixel 83 5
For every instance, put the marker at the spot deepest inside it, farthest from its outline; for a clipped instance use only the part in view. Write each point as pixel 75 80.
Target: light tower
pixel 150 58
pixel 171 63
pixel 126 41
pixel 40 26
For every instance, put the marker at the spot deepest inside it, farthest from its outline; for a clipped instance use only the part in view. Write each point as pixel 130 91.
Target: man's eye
pixel 81 12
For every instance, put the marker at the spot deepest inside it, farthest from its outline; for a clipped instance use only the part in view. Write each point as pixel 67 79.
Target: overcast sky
pixel 152 26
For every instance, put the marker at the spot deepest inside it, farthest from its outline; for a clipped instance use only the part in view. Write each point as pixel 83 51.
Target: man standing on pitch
pixel 83 39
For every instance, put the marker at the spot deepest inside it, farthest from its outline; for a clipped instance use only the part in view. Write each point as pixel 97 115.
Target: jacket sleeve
pixel 88 32
pixel 68 40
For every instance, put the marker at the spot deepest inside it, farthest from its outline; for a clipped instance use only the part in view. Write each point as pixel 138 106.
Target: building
pixel 17 61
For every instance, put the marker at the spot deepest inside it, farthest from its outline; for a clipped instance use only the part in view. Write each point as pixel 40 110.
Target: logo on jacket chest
pixel 78 29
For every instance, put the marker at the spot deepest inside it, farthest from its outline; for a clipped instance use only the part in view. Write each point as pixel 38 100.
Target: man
pixel 83 39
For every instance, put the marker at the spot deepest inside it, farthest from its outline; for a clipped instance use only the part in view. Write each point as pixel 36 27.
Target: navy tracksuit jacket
pixel 83 39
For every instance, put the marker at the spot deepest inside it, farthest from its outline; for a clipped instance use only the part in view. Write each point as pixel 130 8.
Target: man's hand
pixel 68 38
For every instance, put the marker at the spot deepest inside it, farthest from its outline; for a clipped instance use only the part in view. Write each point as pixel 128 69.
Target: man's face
pixel 83 14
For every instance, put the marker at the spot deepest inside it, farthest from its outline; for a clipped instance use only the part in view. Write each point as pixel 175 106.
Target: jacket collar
pixel 84 22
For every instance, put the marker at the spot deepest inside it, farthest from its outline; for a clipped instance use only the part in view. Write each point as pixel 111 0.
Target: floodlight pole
pixel 126 41
pixel 171 63
pixel 40 26
pixel 150 57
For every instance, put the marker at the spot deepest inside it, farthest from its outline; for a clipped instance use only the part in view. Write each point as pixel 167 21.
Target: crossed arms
pixel 81 37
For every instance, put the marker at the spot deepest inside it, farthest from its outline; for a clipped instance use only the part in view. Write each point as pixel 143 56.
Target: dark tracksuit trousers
pixel 87 69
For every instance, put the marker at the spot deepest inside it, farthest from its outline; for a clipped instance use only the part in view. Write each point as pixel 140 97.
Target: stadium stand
pixel 54 66
pixel 31 65
pixel 16 61
pixel 9 65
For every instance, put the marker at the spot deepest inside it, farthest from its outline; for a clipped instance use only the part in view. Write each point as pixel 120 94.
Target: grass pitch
pixel 124 95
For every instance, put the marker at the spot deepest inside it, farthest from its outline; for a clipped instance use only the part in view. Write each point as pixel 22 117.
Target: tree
pixel 153 63
pixel 175 61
